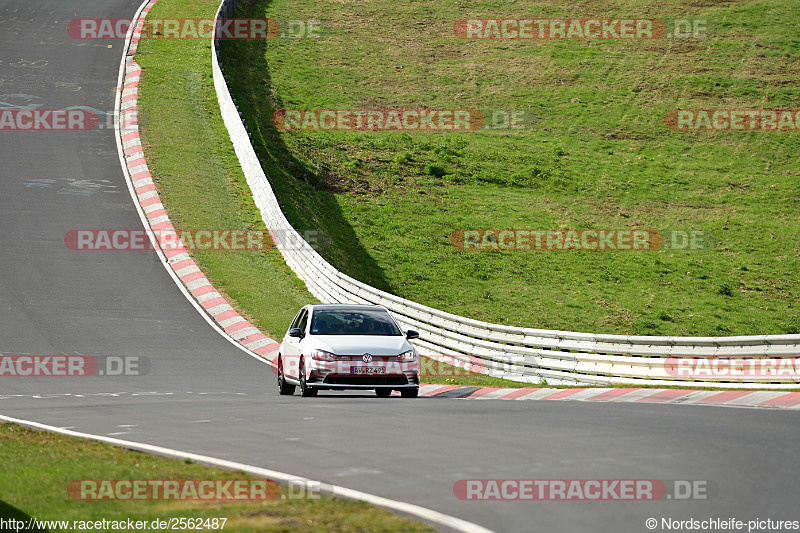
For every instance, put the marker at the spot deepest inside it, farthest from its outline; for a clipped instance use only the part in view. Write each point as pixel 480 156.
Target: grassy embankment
pixel 598 156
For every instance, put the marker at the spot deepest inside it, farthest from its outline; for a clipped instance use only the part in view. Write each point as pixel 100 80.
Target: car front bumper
pixel 340 374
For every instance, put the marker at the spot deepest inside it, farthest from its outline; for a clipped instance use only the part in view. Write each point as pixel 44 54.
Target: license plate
pixel 368 370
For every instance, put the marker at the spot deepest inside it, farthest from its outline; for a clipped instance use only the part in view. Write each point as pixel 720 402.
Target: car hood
pixel 361 344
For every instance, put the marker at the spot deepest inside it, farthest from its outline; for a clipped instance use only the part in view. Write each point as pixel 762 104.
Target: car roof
pixel 346 307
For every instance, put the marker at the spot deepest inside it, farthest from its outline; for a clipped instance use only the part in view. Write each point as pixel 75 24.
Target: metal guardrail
pixel 520 354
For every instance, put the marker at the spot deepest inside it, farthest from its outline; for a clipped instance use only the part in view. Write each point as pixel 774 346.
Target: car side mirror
pixel 296 332
pixel 412 334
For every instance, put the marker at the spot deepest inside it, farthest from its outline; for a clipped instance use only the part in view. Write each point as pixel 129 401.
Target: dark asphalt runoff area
pixel 201 394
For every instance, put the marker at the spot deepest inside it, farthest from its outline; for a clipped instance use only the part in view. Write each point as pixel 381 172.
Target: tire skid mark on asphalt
pixel 143 394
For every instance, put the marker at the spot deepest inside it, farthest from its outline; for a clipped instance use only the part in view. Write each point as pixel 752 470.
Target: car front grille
pixel 366 380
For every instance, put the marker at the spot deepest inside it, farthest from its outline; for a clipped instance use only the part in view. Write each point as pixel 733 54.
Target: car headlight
pixel 407 356
pixel 322 355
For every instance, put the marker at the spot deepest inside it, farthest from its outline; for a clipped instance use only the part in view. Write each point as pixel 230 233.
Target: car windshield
pixel 347 322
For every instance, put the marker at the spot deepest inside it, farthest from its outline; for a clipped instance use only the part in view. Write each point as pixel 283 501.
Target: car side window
pixel 296 321
pixel 303 322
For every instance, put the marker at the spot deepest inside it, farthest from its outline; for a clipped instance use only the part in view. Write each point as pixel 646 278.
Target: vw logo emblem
pixel 367 358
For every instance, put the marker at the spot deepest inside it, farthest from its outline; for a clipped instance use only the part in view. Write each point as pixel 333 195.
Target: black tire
pixel 305 390
pixel 409 393
pixel 285 388
pixel 383 393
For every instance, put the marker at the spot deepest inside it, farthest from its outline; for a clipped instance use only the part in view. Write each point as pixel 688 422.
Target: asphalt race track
pixel 204 395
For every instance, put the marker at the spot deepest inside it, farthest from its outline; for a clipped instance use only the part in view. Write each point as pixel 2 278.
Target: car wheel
pixel 286 389
pixel 409 393
pixel 383 393
pixel 305 390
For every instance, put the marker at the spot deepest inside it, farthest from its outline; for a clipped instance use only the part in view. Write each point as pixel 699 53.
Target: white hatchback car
pixel 338 347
